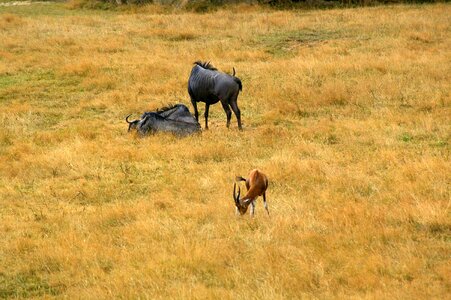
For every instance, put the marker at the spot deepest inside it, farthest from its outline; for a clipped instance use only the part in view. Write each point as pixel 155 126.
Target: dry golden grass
pixel 347 111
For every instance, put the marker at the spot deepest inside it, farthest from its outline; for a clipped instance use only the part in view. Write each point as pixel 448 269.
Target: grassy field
pixel 346 111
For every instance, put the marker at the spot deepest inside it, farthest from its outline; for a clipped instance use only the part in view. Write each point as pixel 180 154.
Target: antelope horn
pixel 236 197
pixel 126 119
pixel 233 71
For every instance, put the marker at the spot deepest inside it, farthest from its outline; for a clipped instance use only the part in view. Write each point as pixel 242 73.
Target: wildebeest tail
pixel 237 80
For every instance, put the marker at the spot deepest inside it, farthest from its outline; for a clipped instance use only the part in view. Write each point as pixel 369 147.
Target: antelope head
pixel 241 206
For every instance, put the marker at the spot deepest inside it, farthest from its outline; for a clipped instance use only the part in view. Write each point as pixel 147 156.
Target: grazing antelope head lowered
pixel 256 185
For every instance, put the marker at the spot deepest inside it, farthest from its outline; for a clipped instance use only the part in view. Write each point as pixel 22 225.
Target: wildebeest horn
pixel 131 124
pixel 233 71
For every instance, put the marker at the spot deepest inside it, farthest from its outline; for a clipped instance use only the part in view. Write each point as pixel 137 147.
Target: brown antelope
pixel 256 185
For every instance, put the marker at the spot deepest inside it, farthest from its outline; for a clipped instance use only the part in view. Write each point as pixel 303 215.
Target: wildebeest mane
pixel 165 108
pixel 205 65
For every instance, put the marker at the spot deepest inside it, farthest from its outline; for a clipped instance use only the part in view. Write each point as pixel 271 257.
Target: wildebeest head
pixel 132 124
pixel 149 122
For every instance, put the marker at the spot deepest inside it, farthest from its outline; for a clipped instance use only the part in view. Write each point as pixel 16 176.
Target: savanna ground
pixel 347 111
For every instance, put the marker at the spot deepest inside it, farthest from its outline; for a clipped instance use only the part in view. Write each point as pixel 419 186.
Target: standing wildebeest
pixel 207 84
pixel 176 119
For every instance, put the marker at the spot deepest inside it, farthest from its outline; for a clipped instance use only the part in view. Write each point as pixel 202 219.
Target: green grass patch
pixel 36 9
pixel 26 285
pixel 284 43
pixel 39 87
pixel 51 9
pixel 406 137
pixel 8 80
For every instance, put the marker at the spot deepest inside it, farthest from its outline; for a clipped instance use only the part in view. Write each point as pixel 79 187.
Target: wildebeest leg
pixel 196 112
pixel 237 112
pixel 264 202
pixel 228 112
pixel 207 107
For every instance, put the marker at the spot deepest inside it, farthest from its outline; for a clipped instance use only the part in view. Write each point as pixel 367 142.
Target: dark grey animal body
pixel 176 119
pixel 207 84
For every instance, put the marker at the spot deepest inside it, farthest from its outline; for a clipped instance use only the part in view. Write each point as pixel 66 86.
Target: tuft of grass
pixel 406 137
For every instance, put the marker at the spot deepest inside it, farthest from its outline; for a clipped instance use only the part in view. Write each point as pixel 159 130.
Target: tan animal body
pixel 256 185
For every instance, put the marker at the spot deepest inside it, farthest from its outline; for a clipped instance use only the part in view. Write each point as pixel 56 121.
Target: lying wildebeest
pixel 207 84
pixel 176 119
